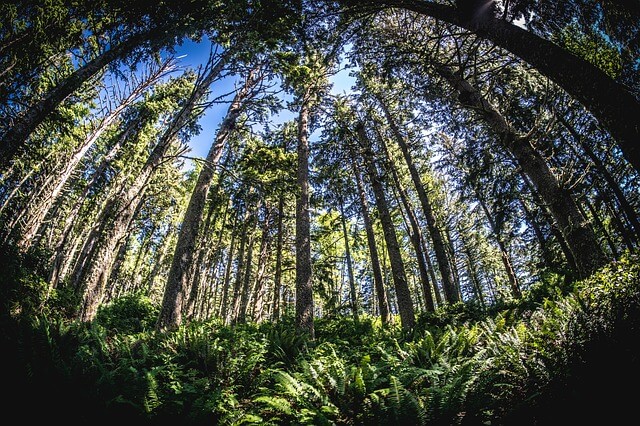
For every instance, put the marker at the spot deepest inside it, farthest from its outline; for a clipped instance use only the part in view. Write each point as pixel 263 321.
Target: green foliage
pixel 130 314
pixel 592 47
pixel 500 368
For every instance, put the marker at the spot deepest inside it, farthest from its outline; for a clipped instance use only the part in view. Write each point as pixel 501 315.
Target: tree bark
pixel 414 234
pixel 347 253
pixel 14 139
pixel 504 254
pixel 304 286
pixel 610 103
pixel 448 285
pixel 378 282
pixel 48 195
pixel 577 233
pixel 403 295
pixel 277 280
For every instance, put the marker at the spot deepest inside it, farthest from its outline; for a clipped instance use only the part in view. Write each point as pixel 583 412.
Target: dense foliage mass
pixel 452 239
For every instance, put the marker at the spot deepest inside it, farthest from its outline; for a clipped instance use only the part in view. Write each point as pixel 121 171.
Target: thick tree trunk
pixel 403 295
pixel 609 102
pixel 304 285
pixel 577 233
pixel 450 291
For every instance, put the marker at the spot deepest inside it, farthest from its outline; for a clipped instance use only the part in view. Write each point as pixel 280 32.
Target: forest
pixel 199 225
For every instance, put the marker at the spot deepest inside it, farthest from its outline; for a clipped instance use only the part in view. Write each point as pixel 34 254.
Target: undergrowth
pixel 555 355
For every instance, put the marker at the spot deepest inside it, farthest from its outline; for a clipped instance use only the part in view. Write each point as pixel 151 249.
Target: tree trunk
pixel 240 311
pixel 504 255
pixel 629 211
pixel 578 235
pixel 403 295
pixel 304 285
pixel 14 139
pixel 378 282
pixel 178 280
pixel 48 195
pixel 448 285
pixel 347 252
pixel 277 280
pixel 609 102
pixel 414 234
pixel 227 278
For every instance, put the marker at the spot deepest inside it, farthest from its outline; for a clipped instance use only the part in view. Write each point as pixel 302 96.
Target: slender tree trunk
pixel 227 278
pixel 504 254
pixel 414 234
pixel 432 274
pixel 473 273
pixel 204 254
pixel 72 216
pixel 347 252
pixel 610 103
pixel 277 280
pixel 48 195
pixel 403 295
pixel 263 257
pixel 578 235
pixel 378 282
pixel 629 211
pixel 555 232
pixel 14 139
pixel 240 308
pixel 598 222
pixel 448 285
pixel 304 285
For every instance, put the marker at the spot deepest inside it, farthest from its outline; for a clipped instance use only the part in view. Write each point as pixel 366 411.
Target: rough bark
pixel 304 285
pixel 578 235
pixel 403 295
pixel 448 285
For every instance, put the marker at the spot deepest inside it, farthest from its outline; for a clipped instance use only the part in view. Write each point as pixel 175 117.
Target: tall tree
pixel 179 280
pixel 610 102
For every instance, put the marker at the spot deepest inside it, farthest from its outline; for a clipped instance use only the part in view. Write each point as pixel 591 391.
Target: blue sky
pixel 191 55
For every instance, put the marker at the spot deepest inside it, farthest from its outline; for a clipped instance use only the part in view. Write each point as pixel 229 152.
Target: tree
pixel 610 102
pixel 179 280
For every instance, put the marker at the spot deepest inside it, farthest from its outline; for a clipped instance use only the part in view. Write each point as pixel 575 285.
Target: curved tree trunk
pixel 609 102
pixel 14 139
pixel 578 235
